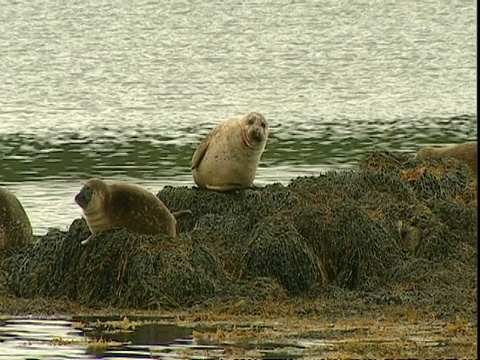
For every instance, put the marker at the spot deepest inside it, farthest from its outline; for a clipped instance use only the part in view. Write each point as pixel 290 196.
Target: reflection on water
pixel 33 339
pixel 59 339
pixel 49 339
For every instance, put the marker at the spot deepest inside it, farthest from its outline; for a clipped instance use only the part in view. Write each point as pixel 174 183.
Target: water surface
pixel 55 339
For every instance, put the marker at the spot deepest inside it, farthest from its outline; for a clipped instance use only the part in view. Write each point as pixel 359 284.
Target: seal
pixel 465 152
pixel 123 205
pixel 15 227
pixel 227 158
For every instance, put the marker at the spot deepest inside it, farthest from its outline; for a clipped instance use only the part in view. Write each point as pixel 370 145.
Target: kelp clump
pixel 394 229
pixel 118 269
pixel 277 250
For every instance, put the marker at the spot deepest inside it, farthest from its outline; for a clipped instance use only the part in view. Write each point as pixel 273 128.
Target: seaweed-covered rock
pixel 459 217
pixel 437 241
pixel 395 230
pixel 352 250
pixel 227 236
pixel 352 185
pixel 445 287
pixel 119 268
pixel 469 195
pixel 386 161
pixel 31 271
pixel 254 204
pixel 429 178
pixel 277 250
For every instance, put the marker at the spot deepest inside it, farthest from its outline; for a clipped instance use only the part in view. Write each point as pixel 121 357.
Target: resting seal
pixel 125 206
pixel 15 227
pixel 466 152
pixel 228 157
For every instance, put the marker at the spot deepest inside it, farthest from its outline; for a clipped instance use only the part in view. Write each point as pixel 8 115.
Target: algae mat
pixel 394 233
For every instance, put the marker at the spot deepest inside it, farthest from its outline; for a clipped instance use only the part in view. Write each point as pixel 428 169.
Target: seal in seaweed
pixel 123 205
pixel 466 152
pixel 15 227
pixel 228 157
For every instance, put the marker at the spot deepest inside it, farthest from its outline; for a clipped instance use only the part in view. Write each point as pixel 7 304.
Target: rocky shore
pixel 392 236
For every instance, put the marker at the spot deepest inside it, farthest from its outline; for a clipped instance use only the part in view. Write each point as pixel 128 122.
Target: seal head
pixel 84 196
pixel 254 131
pixel 92 196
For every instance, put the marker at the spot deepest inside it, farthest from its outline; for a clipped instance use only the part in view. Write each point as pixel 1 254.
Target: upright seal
pixel 15 227
pixel 228 157
pixel 125 206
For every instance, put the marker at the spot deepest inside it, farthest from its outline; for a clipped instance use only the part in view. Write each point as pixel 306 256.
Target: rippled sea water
pixel 126 90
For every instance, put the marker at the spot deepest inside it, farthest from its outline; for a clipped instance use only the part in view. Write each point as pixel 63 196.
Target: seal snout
pixel 256 135
pixel 84 197
pixel 80 200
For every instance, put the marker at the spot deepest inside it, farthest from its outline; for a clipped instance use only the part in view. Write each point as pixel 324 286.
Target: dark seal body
pixel 15 227
pixel 126 206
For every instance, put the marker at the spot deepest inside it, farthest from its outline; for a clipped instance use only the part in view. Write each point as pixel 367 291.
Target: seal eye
pixel 251 121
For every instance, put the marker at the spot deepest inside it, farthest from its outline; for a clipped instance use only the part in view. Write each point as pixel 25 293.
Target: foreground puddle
pixel 115 338
pixel 61 339
pixel 31 339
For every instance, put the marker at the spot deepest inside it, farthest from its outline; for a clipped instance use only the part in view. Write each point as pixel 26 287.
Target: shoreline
pixel 389 248
pixel 246 329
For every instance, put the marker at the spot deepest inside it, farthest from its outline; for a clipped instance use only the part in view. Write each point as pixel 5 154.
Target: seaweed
pixel 395 230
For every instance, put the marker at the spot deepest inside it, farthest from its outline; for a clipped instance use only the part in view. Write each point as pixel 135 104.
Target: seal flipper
pixel 202 149
pixel 200 153
pixel 225 187
pixel 181 213
pixel 91 237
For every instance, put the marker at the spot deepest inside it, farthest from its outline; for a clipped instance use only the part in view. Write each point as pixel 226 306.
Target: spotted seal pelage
pixel 228 157
pixel 123 205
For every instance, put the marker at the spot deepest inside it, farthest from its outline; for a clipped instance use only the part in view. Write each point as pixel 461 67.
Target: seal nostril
pixel 256 135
